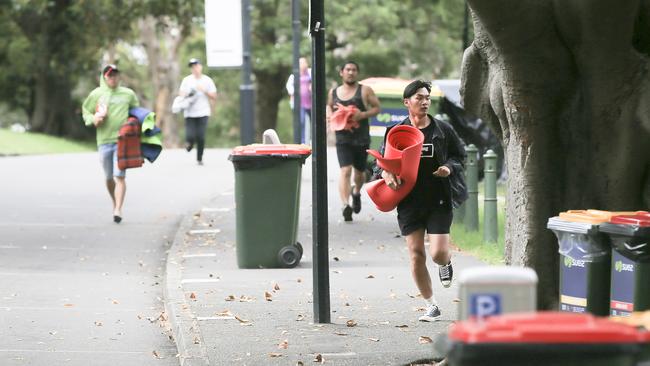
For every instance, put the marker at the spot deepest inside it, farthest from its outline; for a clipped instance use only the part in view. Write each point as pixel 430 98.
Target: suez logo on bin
pixel 619 266
pixel 570 262
pixel 482 305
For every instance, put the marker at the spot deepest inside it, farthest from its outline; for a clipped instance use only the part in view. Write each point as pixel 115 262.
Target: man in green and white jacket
pixel 107 108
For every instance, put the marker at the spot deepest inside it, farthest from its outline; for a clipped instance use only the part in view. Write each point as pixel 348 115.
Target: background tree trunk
pixel 566 87
pixel 161 37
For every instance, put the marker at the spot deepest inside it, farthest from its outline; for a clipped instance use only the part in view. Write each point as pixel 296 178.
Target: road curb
pixel 185 328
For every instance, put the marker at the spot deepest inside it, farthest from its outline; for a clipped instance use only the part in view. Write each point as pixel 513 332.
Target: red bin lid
pixel 641 218
pixel 546 328
pixel 272 149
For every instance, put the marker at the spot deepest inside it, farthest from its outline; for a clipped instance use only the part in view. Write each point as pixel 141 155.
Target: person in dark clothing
pixel 351 145
pixel 427 209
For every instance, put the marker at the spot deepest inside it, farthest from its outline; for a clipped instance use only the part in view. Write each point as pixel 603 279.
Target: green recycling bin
pixel 267 198
pixel 630 270
pixel 585 254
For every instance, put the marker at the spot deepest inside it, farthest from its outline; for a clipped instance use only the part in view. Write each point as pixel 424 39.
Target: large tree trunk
pixel 270 88
pixel 53 111
pixel 161 38
pixel 566 88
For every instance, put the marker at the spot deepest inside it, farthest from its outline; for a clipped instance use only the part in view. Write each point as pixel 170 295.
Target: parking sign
pixel 483 305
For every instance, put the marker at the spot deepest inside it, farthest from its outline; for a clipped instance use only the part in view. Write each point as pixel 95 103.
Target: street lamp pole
pixel 295 15
pixel 321 291
pixel 246 89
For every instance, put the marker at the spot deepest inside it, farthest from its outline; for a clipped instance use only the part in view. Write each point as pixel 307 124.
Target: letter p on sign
pixel 483 305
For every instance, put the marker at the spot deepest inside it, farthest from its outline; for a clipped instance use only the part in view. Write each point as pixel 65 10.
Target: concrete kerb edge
pixel 185 328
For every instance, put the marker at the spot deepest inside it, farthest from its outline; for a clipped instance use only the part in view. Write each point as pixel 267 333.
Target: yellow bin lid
pixel 591 216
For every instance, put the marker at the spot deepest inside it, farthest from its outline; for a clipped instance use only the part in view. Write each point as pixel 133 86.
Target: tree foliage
pixel 51 50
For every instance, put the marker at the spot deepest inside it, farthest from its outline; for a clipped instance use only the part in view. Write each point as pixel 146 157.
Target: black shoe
pixel 432 314
pixel 189 147
pixel 117 219
pixel 347 213
pixel 356 202
pixel 446 274
pixel 200 162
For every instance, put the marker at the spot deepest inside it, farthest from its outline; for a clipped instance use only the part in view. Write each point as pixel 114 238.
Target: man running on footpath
pixel 107 108
pixel 203 93
pixel 428 207
pixel 351 145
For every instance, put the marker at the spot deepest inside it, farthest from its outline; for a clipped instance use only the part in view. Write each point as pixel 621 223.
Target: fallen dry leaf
pixel 225 314
pixel 402 326
pixel 275 354
pixel 276 287
pixel 374 339
pixel 284 344
pixel 319 358
pixel 99 324
pixel 300 363
pixel 299 280
pixel 370 276
pixel 455 300
pixel 115 302
pixel 230 298
pixel 268 296
pixel 197 340
pixel 424 340
pixel 245 298
pixel 351 323
pixel 340 333
pixel 241 320
pixel 336 259
pixel 156 355
pixel 193 296
pixel 300 318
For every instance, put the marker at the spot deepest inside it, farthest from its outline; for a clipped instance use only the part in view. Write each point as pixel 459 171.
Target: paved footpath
pixel 222 315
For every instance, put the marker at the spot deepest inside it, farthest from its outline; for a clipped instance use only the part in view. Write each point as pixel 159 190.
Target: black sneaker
pixel 347 213
pixel 446 274
pixel 431 315
pixel 189 147
pixel 356 202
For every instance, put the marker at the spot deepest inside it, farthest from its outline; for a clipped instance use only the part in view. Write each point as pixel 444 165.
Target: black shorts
pixel 435 221
pixel 355 155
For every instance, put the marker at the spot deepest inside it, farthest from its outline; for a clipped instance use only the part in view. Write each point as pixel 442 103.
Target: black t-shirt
pixel 358 136
pixel 429 191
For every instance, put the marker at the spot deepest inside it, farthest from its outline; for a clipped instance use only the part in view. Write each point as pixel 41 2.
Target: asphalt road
pixel 75 288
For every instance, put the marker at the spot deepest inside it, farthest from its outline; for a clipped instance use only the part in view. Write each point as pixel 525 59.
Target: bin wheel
pixel 289 256
pixel 299 246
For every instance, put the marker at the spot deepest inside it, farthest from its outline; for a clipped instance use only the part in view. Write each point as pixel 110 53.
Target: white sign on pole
pixel 223 33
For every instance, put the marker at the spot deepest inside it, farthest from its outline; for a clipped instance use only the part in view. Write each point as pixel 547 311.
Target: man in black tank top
pixel 351 145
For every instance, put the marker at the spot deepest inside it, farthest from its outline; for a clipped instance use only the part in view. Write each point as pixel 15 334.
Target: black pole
pixel 295 16
pixel 321 280
pixel 466 28
pixel 246 89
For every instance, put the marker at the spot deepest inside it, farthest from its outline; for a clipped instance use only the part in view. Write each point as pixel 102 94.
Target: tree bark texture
pixel 161 37
pixel 565 85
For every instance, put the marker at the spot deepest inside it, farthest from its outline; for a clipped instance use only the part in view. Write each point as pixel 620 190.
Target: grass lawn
pixel 14 143
pixel 472 241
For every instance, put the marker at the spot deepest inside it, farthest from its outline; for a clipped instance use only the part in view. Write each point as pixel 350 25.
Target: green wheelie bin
pixel 630 269
pixel 267 199
pixel 585 254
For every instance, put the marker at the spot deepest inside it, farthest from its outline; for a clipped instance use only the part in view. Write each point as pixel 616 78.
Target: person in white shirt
pixel 201 93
